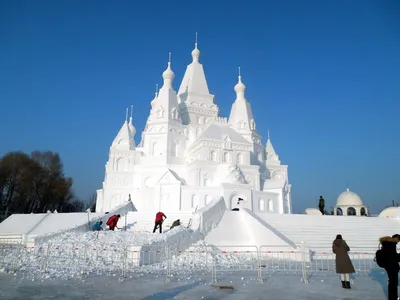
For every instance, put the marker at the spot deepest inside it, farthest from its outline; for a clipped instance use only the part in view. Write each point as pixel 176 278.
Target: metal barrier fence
pixel 324 261
pixel 68 259
pixel 12 239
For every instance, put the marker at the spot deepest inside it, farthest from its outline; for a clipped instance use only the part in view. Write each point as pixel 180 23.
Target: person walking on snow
pixel 391 263
pixel 113 221
pixel 321 205
pixel 97 226
pixel 344 265
pixel 160 217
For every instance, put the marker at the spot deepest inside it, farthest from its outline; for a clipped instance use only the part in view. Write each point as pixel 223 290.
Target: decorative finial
pixel 195 52
pixel 168 75
pixel 131 111
pixel 268 134
pixel 126 117
pixel 240 87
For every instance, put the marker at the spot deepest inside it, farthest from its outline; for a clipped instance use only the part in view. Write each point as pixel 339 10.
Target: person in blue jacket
pixel 97 226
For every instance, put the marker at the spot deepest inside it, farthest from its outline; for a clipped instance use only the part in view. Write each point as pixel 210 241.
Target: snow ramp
pixel 244 231
pixel 181 238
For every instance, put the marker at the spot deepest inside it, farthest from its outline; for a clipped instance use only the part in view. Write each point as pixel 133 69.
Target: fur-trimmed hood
pixel 388 239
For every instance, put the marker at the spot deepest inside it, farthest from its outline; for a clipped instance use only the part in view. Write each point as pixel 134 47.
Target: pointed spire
pixel 124 138
pixel 194 81
pixel 155 96
pixel 272 157
pixel 168 75
pixel 195 52
pixel 241 117
pixel 269 148
pixel 240 88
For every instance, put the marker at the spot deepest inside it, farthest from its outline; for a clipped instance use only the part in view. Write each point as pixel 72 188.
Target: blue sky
pixel 323 76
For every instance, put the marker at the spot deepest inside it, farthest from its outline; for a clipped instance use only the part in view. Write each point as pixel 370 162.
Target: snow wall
pixel 180 238
pixel 123 209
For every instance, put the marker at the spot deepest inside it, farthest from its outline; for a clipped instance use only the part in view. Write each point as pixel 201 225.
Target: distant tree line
pixel 35 183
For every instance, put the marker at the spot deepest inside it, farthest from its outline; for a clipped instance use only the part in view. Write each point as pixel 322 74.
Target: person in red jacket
pixel 160 217
pixel 113 221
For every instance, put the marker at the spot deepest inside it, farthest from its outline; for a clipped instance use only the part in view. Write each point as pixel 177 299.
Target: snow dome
pixel 350 204
pixel 348 198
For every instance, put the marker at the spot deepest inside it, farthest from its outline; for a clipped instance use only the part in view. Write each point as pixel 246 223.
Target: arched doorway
pixel 363 211
pixel 339 211
pixel 351 211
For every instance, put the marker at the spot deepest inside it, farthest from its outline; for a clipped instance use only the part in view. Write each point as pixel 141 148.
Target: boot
pixel 343 284
pixel 347 284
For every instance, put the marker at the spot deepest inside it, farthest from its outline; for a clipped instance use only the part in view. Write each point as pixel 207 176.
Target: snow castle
pixel 189 154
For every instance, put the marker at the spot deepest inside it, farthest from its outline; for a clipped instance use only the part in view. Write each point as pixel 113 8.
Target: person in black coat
pixel 391 263
pixel 321 205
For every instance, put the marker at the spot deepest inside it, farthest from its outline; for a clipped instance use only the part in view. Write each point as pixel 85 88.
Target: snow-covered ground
pixel 152 287
pixel 143 265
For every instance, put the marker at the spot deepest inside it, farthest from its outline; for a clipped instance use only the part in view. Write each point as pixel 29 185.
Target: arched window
pixel 339 211
pixel 176 148
pixel 160 112
pixel 122 164
pixel 195 201
pixel 156 149
pixel 270 205
pixel 261 204
pixel 239 159
pixel 363 211
pixel 351 211
pixel 174 113
pixel 227 157
pixel 213 155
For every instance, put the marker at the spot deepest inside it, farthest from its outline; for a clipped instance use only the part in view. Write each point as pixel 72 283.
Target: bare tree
pixel 35 183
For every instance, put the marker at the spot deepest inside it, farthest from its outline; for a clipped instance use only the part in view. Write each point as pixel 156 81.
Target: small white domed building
pixel 350 204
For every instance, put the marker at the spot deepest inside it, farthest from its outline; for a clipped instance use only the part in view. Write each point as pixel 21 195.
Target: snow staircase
pixel 318 232
pixel 137 221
